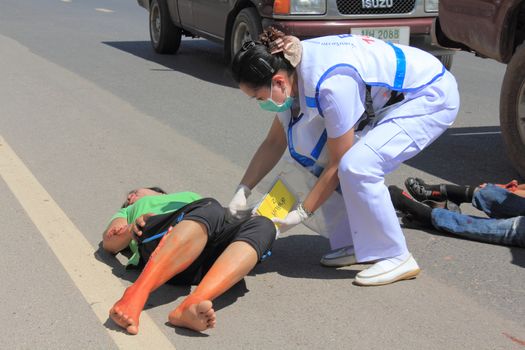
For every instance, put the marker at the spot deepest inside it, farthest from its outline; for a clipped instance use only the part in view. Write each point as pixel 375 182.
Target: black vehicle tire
pixel 247 26
pixel 512 109
pixel 165 36
pixel 446 60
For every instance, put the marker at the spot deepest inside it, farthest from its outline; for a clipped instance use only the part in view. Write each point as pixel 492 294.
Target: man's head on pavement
pixel 136 194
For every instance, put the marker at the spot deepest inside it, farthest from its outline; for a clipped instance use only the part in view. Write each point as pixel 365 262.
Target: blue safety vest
pixel 309 162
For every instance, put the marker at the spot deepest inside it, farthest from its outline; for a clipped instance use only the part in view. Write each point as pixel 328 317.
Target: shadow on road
pixel 518 256
pixel 199 58
pixel 471 155
pixel 298 256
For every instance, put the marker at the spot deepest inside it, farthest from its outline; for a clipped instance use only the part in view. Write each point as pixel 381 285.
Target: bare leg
pixel 196 312
pixel 176 251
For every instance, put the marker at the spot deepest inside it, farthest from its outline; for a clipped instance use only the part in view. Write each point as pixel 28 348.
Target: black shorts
pixel 223 229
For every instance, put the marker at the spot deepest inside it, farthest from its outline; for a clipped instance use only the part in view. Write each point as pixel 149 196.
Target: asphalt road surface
pixel 88 111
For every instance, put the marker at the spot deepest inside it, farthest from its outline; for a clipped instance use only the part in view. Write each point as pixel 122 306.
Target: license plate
pixel 398 35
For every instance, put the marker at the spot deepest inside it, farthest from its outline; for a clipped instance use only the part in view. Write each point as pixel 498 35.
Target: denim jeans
pixel 505 225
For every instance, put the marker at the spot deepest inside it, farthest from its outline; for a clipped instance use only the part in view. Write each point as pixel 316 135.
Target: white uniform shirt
pixel 335 70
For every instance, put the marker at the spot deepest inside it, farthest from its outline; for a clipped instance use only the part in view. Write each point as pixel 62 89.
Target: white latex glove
pixel 293 218
pixel 238 201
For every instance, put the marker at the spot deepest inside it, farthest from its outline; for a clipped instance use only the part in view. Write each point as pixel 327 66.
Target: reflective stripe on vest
pixel 316 152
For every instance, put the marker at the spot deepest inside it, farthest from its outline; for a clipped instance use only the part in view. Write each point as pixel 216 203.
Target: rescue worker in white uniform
pixel 399 98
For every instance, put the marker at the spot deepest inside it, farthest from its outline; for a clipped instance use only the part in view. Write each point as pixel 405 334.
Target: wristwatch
pixel 302 210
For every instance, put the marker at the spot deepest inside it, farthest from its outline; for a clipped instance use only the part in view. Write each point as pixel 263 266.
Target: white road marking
pixel 476 133
pixel 93 278
pixel 100 9
pixel 68 1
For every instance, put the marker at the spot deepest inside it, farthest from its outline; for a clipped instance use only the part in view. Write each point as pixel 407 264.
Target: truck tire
pixel 512 109
pixel 247 26
pixel 446 60
pixel 165 36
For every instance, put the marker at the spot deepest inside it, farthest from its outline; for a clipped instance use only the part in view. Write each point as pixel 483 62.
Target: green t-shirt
pixel 160 204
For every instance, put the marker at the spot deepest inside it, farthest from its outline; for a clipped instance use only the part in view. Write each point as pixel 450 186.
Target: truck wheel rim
pixel 242 35
pixel 521 113
pixel 155 23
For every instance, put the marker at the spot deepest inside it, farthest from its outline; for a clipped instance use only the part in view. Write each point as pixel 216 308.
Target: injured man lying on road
pixel 183 239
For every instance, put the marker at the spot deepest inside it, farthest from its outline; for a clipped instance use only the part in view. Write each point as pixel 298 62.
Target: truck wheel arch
pixel 241 5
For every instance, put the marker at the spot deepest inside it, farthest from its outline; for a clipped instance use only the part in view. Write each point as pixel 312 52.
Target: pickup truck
pixel 232 22
pixel 493 29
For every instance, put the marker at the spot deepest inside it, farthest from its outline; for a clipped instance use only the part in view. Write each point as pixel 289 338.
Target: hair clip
pixel 247 45
pixel 262 68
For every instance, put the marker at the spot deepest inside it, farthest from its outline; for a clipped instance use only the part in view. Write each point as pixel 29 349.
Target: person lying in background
pixel 503 204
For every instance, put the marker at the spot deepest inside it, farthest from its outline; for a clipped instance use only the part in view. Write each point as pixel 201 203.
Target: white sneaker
pixel 339 257
pixel 379 274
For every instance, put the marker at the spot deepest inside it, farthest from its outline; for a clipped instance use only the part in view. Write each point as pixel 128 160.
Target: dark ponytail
pixel 254 65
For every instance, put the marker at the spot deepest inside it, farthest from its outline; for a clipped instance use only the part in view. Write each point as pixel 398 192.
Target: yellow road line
pixel 93 278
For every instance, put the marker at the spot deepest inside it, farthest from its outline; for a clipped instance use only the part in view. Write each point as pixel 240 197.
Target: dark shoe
pixel 422 192
pixel 413 212
pixel 399 198
pixel 409 221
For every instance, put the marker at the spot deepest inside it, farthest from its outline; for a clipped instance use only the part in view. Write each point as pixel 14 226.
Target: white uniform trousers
pixel 375 229
pixel 339 234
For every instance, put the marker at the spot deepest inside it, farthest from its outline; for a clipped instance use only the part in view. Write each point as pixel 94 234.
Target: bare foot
pixel 126 311
pixel 199 316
